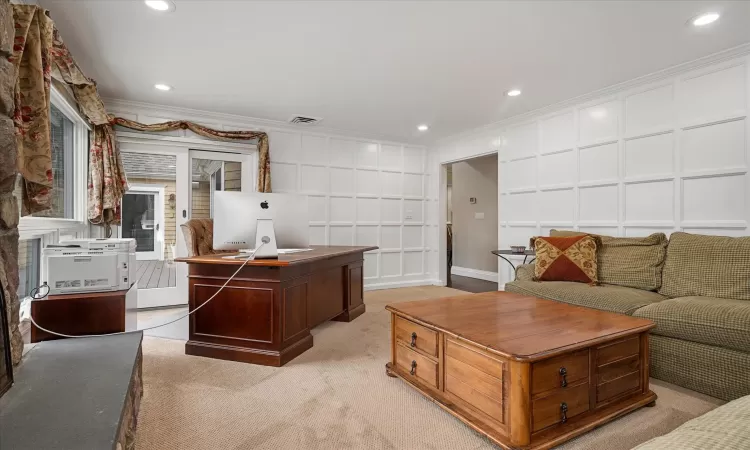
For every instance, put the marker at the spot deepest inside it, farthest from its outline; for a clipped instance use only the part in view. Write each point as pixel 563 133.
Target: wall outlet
pixel 479 215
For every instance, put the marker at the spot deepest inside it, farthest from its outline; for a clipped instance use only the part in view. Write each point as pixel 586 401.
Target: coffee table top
pixel 520 327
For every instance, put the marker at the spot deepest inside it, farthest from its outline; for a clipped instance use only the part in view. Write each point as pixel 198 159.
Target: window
pixel 61 131
pixel 28 266
pixel 69 135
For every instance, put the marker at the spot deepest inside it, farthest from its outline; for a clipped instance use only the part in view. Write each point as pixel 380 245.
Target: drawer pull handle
pixel 563 412
pixel 414 339
pixel 563 377
pixel 413 370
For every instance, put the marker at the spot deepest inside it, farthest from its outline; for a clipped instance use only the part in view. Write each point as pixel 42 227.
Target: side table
pixel 503 253
pixel 85 313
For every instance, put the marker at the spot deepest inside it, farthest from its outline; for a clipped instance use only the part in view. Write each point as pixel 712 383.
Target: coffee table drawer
pixel 559 372
pixel 416 336
pixel 416 365
pixel 559 406
pixel 618 350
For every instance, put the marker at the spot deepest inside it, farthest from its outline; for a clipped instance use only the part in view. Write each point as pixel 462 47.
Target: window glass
pixel 62 168
pixel 28 266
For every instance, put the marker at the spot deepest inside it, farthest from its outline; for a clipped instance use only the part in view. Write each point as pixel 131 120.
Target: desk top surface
pixel 318 252
pixel 520 327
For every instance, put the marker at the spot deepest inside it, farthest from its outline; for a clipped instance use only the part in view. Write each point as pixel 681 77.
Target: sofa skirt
pixel 715 371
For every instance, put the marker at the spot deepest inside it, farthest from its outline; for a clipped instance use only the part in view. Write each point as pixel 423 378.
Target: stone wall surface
pixel 8 203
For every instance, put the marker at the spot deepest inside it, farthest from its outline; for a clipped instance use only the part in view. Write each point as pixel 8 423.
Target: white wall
pixel 474 238
pixel 362 191
pixel 659 155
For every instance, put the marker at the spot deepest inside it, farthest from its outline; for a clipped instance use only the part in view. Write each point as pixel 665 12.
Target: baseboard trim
pixel 398 284
pixel 474 273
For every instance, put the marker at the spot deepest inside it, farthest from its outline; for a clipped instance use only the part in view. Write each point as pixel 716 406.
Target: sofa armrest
pixel 525 272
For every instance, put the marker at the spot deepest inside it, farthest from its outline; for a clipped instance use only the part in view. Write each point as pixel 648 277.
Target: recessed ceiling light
pixel 160 5
pixel 598 113
pixel 163 87
pixel 513 93
pixel 705 19
pixel 423 127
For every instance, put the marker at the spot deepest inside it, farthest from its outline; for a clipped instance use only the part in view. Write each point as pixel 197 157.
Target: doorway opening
pixel 472 224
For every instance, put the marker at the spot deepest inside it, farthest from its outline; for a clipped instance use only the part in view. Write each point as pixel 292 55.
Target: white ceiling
pixel 382 68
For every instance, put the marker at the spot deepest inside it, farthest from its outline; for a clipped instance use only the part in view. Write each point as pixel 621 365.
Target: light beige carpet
pixel 337 396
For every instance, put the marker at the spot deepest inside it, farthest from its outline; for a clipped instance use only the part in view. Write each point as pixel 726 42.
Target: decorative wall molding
pixel 474 273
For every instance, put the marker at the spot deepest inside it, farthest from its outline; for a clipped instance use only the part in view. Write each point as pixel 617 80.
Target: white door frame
pixel 158 190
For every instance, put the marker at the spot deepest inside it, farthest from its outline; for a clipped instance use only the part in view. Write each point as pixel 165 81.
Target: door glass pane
pixel 151 171
pixel 138 220
pixel 207 177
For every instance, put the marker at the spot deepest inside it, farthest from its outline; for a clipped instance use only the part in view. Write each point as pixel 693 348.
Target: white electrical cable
pixel 249 258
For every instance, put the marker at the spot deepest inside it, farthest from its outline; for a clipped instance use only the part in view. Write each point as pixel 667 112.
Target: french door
pixel 209 172
pixel 170 184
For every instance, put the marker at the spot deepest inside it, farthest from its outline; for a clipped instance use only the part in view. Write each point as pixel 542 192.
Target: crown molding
pixel 714 58
pixel 240 122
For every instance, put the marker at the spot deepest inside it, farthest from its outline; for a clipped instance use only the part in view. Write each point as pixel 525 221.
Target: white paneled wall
pixel 660 157
pixel 360 191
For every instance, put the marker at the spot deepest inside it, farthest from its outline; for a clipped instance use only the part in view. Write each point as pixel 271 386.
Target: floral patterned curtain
pixel 107 180
pixel 264 162
pixel 39 54
pixel 33 40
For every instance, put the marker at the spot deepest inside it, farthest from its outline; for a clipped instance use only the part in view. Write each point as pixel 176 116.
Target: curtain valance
pixel 264 163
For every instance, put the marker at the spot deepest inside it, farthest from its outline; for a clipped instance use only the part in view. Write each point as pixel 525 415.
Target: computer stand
pixel 265 240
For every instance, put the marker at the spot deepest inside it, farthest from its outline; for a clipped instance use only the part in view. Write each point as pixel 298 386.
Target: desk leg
pixel 354 301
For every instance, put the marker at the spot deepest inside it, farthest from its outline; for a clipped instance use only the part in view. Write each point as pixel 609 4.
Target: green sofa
pixel 696 289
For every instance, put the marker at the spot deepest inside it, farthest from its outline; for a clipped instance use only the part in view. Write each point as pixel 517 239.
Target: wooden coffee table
pixel 526 372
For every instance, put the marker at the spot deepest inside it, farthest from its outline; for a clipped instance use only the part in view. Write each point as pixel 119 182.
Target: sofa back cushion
pixel 709 266
pixel 634 262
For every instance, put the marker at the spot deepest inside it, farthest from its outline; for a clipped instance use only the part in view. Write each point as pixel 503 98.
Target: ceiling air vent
pixel 302 120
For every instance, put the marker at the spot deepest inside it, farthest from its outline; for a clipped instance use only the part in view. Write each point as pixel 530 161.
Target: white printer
pixel 89 265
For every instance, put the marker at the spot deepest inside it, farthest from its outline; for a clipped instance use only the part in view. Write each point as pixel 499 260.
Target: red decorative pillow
pixel 570 258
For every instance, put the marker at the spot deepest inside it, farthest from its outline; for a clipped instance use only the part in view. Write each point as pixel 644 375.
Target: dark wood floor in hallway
pixel 474 285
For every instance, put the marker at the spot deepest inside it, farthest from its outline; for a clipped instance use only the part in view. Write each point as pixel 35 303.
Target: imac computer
pixel 242 221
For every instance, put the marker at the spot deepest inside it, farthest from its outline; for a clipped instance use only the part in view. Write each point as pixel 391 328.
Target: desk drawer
pixel 559 406
pixel 416 365
pixel 559 372
pixel 416 336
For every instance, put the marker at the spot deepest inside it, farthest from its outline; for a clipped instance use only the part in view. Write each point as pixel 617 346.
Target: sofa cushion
pixel 709 266
pixel 607 298
pixel 721 429
pixel 714 321
pixel 635 262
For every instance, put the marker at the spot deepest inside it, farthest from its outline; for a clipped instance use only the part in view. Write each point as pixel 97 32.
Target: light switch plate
pixel 479 215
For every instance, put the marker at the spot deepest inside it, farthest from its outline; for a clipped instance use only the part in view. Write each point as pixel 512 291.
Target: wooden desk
pixel 265 313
